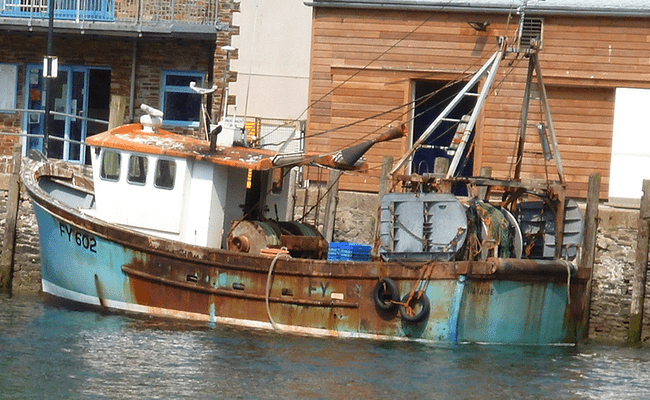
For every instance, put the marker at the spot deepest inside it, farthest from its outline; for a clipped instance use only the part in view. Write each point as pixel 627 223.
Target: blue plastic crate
pixel 346 251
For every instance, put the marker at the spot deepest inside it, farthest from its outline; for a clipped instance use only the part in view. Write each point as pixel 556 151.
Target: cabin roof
pixel 163 143
pixel 627 8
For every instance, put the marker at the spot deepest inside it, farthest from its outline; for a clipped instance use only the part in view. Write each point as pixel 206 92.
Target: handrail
pixel 60 139
pixel 32 111
pixel 50 137
pixel 100 121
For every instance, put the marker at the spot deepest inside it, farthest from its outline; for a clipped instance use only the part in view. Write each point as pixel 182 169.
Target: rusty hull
pixel 492 301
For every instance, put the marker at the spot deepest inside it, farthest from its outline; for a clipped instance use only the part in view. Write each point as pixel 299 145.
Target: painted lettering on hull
pixel 318 287
pixel 83 240
pixel 481 291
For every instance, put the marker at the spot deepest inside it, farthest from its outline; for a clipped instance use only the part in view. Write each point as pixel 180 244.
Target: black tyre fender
pixel 421 307
pixel 385 294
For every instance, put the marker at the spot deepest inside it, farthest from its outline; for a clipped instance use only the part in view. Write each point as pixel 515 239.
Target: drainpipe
pixel 208 105
pixel 132 95
pixel 47 122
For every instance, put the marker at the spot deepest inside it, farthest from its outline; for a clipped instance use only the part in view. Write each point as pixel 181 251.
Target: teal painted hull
pixel 97 264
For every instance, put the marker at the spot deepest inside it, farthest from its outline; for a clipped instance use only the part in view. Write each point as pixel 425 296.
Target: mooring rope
pixel 268 286
pixel 420 288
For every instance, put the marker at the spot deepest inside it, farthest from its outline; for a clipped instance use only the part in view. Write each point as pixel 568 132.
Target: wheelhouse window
pixel 137 173
pixel 165 174
pixel 181 104
pixel 110 169
pixel 277 175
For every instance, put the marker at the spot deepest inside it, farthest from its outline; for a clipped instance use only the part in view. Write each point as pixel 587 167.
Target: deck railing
pixel 133 11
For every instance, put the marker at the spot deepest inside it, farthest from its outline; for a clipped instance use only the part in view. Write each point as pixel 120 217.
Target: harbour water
pixel 53 352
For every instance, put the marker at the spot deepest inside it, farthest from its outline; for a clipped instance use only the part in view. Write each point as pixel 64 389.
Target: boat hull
pixel 90 262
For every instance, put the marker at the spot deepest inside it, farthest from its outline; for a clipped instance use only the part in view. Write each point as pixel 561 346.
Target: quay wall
pixel 356 214
pixel 27 260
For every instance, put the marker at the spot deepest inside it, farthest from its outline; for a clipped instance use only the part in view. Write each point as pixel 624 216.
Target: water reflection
pixel 49 352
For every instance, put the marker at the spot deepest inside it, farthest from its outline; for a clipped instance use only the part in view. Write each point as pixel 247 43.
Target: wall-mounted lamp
pixel 479 26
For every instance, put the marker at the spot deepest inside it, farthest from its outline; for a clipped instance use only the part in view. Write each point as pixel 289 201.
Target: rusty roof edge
pixel 637 12
pixel 131 138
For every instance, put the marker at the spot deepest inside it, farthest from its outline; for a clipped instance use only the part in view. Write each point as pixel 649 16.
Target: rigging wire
pixel 365 67
pixel 408 34
pixel 407 107
pixel 426 97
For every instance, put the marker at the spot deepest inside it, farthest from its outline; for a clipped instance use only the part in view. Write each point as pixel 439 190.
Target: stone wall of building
pixel 113 53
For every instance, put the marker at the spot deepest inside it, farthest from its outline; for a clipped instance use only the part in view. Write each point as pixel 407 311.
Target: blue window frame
pixel 181 105
pixel 67 133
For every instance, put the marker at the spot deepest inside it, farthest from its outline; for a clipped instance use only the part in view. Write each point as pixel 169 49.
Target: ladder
pixel 489 68
pixel 467 123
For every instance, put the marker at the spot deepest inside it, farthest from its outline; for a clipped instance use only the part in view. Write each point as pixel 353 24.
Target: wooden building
pixel 371 60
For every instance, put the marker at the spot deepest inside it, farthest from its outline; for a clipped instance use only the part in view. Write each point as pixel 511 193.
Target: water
pixel 57 353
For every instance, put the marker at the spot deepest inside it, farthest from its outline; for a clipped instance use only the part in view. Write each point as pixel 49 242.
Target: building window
pixel 8 87
pixel 137 170
pixel 165 174
pixel 110 166
pixel 181 104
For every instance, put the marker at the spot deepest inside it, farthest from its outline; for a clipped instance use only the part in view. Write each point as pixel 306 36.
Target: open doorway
pixel 431 97
pixel 99 101
pixel 78 92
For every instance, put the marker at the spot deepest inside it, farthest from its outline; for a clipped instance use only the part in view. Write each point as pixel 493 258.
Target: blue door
pixel 67 133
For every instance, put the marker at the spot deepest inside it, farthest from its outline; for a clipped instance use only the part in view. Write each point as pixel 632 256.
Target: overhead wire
pixel 407 108
pixel 360 70
pixel 365 67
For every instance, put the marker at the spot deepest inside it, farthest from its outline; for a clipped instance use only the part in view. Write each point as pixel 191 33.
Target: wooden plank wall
pixel 363 64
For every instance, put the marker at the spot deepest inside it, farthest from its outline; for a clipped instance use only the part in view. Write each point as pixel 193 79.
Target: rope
pixel 568 282
pixel 422 284
pixel 268 287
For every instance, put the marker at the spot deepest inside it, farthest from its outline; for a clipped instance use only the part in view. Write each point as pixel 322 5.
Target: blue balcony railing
pixel 197 16
pixel 77 10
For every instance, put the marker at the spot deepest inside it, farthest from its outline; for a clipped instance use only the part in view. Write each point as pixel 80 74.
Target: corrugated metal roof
pixel 629 8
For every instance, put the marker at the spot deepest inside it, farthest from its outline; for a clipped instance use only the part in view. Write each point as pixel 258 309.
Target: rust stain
pixel 133 138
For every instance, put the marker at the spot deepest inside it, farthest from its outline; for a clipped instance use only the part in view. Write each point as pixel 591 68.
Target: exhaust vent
pixel 530 36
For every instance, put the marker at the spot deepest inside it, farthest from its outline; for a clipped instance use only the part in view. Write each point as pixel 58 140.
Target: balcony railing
pixel 79 10
pixel 200 12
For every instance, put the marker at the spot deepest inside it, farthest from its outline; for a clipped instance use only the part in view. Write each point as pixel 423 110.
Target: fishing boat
pixel 166 226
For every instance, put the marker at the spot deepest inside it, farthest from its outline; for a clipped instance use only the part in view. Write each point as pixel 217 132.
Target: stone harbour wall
pixel 612 285
pixel 356 214
pixel 613 276
pixel 27 260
